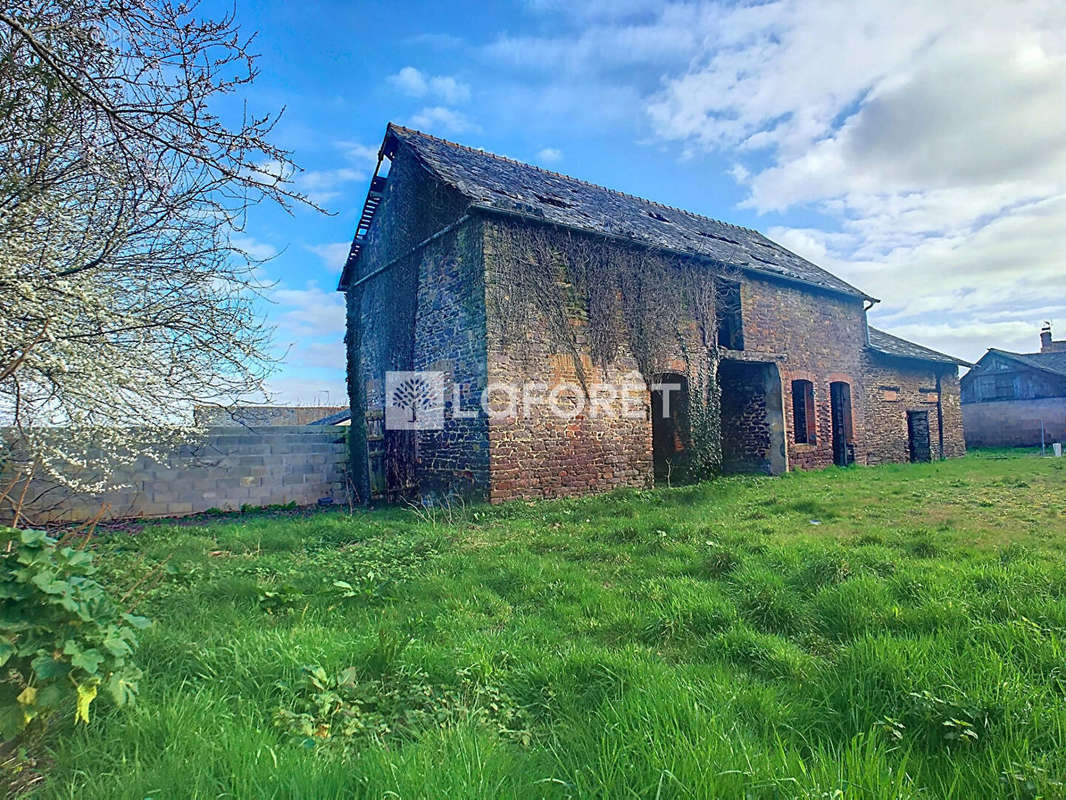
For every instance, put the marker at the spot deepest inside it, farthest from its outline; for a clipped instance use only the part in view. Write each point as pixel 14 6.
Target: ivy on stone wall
pixel 591 295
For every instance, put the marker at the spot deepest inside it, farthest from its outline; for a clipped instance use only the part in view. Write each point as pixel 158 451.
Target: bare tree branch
pixel 126 168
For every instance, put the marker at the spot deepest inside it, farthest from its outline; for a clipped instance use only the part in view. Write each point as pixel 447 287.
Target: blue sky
pixel 917 149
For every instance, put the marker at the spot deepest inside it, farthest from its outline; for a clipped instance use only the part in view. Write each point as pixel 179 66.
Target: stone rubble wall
pixel 893 387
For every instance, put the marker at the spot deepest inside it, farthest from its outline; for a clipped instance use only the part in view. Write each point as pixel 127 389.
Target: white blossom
pixel 122 300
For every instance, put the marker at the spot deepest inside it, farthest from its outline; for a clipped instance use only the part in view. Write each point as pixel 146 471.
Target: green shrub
pixel 351 708
pixel 61 636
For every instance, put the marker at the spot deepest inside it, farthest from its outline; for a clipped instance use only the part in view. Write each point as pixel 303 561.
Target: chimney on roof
pixel 1046 343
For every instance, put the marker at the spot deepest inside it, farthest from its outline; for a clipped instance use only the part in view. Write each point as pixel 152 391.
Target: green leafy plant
pixel 351 707
pixel 278 599
pixel 952 721
pixel 62 639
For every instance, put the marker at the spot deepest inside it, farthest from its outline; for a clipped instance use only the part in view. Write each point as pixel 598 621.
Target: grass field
pixel 892 632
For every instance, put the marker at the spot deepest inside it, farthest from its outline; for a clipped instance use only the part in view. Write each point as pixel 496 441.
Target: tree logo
pixel 414 401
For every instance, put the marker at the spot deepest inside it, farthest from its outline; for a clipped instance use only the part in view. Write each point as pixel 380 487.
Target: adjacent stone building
pixel 1017 399
pixel 566 338
pixel 259 416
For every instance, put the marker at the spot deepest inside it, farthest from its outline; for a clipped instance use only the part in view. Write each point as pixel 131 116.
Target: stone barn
pixel 517 333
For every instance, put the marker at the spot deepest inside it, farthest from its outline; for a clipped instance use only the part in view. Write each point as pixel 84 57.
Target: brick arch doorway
pixel 670 427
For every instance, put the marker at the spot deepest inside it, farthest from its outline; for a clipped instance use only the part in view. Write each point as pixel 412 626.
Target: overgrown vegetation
pixel 600 300
pixel 895 632
pixel 62 639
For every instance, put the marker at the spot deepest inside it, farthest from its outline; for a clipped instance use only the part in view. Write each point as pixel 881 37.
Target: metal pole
pixel 1043 449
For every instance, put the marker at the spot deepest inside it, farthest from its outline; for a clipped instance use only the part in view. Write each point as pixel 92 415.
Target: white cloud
pixel 321 186
pixel 359 153
pixel 298 391
pixel 930 137
pixel 594 9
pixel 256 250
pixel 981 119
pixel 444 119
pixel 549 155
pixel 961 292
pixel 309 312
pixel 333 254
pixel 329 355
pixel 664 35
pixel 415 83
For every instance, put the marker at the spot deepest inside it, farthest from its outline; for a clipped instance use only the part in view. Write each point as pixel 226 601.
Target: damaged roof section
pixel 889 345
pixel 496 183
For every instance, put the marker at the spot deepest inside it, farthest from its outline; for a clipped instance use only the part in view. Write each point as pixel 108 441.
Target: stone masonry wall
pixel 233 467
pixel 257 416
pixel 895 386
pixel 449 337
pixel 381 311
pixel 821 336
pixel 1014 423
pixel 745 425
pixel 954 425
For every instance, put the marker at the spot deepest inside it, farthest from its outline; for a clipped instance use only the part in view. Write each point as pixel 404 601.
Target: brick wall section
pixel 886 419
pixel 1014 423
pixel 821 336
pixel 542 455
pixel 234 466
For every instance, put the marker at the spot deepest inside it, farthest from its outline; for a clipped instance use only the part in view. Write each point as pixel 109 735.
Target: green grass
pixel 893 632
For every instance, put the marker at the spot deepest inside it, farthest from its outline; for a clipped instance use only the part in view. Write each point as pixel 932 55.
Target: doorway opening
pixel 670 429
pixel 918 436
pixel 840 412
pixel 753 420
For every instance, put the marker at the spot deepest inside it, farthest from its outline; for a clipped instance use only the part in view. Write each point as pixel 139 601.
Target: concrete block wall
pixel 1014 423
pixel 231 468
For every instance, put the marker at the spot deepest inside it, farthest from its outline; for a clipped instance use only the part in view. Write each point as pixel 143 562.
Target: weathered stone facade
pixel 895 388
pixel 433 285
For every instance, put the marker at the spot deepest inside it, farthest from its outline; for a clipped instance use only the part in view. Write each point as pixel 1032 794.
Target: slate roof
pixel 1049 362
pixel 496 183
pixel 890 345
